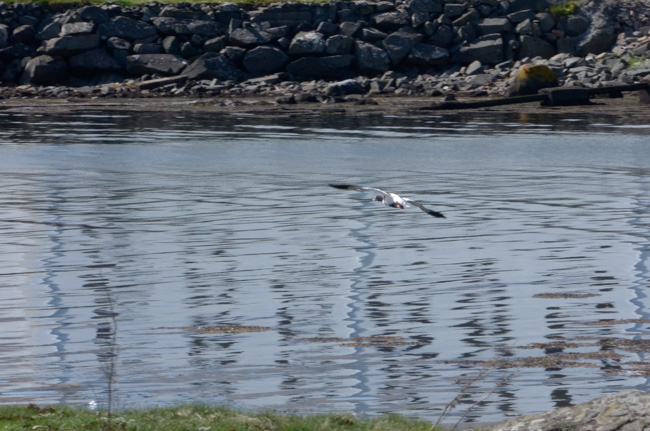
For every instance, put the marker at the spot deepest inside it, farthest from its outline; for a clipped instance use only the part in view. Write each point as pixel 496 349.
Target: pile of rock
pixel 389 46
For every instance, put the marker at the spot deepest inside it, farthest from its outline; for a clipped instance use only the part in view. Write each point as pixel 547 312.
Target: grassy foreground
pixel 193 418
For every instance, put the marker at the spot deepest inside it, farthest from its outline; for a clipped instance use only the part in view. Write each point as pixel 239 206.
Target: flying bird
pixel 389 199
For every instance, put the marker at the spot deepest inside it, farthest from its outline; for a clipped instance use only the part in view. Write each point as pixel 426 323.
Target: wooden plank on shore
pixel 558 96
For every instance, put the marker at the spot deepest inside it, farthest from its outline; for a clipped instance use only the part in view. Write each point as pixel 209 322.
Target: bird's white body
pixel 389 199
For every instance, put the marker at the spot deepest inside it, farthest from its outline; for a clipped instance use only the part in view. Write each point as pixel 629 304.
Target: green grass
pixel 195 418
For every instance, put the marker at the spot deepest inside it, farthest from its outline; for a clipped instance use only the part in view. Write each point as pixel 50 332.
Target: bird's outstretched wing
pixel 358 188
pixel 423 208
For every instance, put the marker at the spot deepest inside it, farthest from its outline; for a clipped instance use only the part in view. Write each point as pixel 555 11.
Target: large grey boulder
pixel 162 64
pixel 307 43
pixel 371 60
pixel 399 44
pixel 212 65
pixel 329 67
pixel 613 412
pixel 265 60
pixel 44 70
pixel 69 45
pixel 127 28
pixel 488 50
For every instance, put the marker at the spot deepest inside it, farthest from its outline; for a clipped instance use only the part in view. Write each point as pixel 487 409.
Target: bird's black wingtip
pixel 340 186
pixel 436 214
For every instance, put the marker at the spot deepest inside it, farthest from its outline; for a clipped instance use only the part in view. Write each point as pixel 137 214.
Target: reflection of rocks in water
pixel 372 341
pixel 225 329
pixel 565 295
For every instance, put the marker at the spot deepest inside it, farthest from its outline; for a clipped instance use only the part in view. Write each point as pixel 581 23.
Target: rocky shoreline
pixel 320 52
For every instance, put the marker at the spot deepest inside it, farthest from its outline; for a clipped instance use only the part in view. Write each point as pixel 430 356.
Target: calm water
pixel 186 222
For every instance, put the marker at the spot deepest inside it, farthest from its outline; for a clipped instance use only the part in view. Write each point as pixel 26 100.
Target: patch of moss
pixel 564 9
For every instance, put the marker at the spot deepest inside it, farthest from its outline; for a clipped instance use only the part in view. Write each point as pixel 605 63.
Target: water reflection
pixel 189 222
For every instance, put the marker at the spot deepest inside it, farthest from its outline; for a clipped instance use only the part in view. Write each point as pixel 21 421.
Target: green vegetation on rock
pixel 564 9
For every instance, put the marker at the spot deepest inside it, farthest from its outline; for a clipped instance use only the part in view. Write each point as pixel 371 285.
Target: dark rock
pixel 118 43
pixel 467 18
pixel 399 44
pixel 69 45
pixel 350 28
pixel 73 28
pixel 427 55
pixel 442 37
pixel 188 50
pixel 329 67
pixel 535 47
pixel 517 5
pixel 596 42
pixel 339 45
pixel 48 30
pixel 392 20
pixel 493 25
pixel 172 45
pixel 215 44
pixel 212 65
pixel 522 15
pixel 22 34
pixel 167 25
pixel 265 60
pixel 127 28
pixel 162 64
pixel 147 48
pixel 233 53
pixel 454 10
pixel 576 25
pixel 289 14
pixel 488 50
pixel 96 60
pixel 12 71
pixel 327 28
pixel 371 59
pixel 248 37
pixel 44 70
pixel 4 35
pixel 372 35
pixel 204 28
pixel 568 45
pixel 428 6
pixel 546 21
pixel 93 14
pixel 19 50
pixel 343 88
pixel 307 43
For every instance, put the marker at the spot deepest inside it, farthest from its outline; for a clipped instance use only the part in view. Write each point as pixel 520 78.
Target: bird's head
pixel 378 198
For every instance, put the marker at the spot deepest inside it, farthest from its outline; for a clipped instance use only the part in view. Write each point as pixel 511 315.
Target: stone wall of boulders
pixel 93 45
